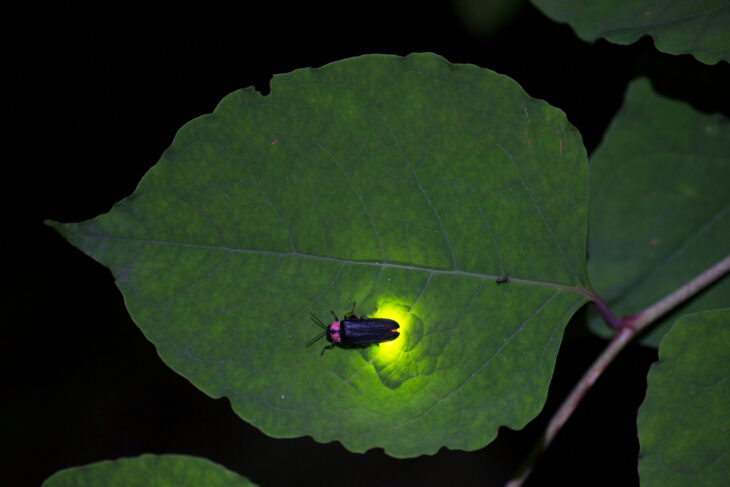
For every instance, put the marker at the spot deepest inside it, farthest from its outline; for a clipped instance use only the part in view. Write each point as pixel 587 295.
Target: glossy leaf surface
pixel 660 208
pixel 684 422
pixel 149 470
pixel 408 185
pixel 697 27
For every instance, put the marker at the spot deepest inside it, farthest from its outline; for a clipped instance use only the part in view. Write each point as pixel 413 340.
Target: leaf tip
pixel 62 228
pixel 57 226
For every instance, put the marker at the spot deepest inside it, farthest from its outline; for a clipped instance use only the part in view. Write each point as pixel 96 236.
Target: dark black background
pixel 94 95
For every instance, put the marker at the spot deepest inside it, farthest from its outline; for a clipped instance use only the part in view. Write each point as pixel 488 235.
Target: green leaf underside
pixel 684 422
pixel 405 184
pixel 697 27
pixel 660 207
pixel 149 471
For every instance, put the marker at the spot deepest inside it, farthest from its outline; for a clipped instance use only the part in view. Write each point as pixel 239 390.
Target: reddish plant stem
pixel 628 328
pixel 604 311
pixel 640 320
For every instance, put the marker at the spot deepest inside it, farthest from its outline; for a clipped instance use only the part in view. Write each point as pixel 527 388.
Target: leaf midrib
pixel 387 265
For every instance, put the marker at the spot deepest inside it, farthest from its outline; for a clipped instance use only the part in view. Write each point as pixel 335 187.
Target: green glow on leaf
pixel 389 352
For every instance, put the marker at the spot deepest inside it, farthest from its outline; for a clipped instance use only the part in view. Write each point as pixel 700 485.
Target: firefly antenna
pixel 316 338
pixel 318 322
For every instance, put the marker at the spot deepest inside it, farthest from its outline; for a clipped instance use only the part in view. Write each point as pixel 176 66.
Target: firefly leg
pixel 351 313
pixel 330 347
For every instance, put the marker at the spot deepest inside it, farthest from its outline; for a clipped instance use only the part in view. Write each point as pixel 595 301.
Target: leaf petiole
pixel 628 328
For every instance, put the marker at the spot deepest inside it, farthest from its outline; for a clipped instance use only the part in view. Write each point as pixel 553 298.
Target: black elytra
pixel 354 331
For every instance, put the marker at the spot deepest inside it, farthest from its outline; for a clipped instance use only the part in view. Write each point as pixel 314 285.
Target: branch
pixel 640 320
pixel 628 329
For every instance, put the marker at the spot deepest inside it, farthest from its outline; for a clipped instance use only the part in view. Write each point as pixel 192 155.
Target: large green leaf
pixel 660 207
pixel 697 27
pixel 684 422
pixel 148 470
pixel 409 185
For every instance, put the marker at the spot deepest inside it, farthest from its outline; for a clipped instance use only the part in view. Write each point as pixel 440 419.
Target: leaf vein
pixel 423 192
pixel 359 196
